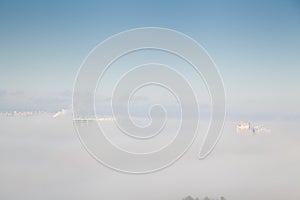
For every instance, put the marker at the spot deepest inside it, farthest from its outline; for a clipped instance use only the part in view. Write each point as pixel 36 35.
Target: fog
pixel 42 158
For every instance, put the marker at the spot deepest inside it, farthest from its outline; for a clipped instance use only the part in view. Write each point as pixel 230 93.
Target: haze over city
pixel 255 47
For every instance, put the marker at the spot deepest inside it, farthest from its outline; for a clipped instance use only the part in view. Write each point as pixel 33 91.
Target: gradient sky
pixel 255 44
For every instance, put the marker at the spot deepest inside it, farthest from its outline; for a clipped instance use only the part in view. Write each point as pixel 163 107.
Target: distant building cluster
pixel 60 113
pixel 205 198
pixel 84 121
pixel 245 128
pixel 21 114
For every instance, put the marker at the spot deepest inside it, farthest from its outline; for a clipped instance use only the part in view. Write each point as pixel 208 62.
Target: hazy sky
pixel 255 45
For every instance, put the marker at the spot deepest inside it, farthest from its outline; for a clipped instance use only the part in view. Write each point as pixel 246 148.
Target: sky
pixel 255 46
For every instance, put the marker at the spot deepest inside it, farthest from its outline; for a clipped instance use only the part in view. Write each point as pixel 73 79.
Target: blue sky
pixel 255 44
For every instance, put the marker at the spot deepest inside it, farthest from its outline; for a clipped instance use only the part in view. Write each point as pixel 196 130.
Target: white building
pixel 244 128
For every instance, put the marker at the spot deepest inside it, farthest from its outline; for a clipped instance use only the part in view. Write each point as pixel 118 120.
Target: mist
pixel 42 158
